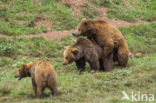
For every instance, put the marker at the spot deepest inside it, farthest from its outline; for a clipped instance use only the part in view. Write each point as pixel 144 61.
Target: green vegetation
pixel 129 10
pixel 36 47
pixel 88 87
pixel 21 16
pixel 89 12
pixel 141 38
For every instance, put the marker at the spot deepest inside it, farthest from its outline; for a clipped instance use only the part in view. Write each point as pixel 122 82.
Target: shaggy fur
pixel 80 52
pixel 108 37
pixel 42 75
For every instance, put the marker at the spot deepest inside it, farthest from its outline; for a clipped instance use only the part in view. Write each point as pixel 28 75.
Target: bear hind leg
pixel 40 92
pixel 34 86
pixel 53 88
pixel 108 62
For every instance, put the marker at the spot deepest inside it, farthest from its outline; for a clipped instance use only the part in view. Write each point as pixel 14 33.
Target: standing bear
pixel 81 51
pixel 108 37
pixel 42 75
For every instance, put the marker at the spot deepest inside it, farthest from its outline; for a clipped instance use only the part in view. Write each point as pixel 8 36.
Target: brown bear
pixel 81 51
pixel 115 55
pixel 42 75
pixel 108 37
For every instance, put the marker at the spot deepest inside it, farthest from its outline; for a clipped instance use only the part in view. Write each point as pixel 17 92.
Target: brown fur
pixel 80 52
pixel 108 37
pixel 42 75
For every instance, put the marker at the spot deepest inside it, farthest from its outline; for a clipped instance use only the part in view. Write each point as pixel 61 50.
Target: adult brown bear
pixel 108 37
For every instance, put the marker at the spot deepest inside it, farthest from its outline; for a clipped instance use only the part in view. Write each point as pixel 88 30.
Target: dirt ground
pixel 77 6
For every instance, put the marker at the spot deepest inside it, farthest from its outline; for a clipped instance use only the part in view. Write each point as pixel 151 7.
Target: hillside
pixel 39 29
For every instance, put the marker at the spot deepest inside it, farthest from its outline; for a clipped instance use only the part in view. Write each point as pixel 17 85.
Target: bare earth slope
pixel 77 6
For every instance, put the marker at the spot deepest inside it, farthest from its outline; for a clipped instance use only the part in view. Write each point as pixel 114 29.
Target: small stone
pixel 138 54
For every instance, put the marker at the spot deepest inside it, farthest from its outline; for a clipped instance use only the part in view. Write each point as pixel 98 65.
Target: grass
pixel 141 38
pixel 21 17
pixel 89 12
pixel 28 47
pixel 129 10
pixel 88 87
pixel 142 35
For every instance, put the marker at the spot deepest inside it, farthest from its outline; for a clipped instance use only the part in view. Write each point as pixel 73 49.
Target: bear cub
pixel 81 51
pixel 42 75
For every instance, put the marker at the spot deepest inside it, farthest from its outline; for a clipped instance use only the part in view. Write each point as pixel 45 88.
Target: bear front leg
pixel 94 64
pixel 108 62
pixel 34 87
pixel 115 54
pixel 81 64
pixel 101 65
pixel 107 58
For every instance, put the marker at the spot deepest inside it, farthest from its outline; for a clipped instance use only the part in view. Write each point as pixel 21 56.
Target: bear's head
pixel 71 54
pixel 24 71
pixel 84 28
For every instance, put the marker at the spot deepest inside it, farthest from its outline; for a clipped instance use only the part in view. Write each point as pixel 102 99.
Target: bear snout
pixel 75 33
pixel 64 63
pixel 18 77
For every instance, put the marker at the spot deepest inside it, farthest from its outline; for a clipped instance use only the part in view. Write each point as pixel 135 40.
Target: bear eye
pixel 66 57
pixel 79 29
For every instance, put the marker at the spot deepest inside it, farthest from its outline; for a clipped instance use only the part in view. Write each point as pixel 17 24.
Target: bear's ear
pixel 75 51
pixel 84 19
pixel 24 65
pixel 88 23
pixel 65 47
pixel 29 65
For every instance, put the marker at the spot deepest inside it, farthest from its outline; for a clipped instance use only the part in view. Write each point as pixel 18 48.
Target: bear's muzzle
pixel 18 77
pixel 75 33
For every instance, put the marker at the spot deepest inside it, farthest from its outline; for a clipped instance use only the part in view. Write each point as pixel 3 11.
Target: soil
pixel 117 22
pixel 45 23
pixel 50 35
pixel 77 6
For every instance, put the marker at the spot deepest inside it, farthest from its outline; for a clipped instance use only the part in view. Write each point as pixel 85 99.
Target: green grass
pixel 129 10
pixel 20 17
pixel 102 87
pixel 36 47
pixel 89 12
pixel 88 87
pixel 141 38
